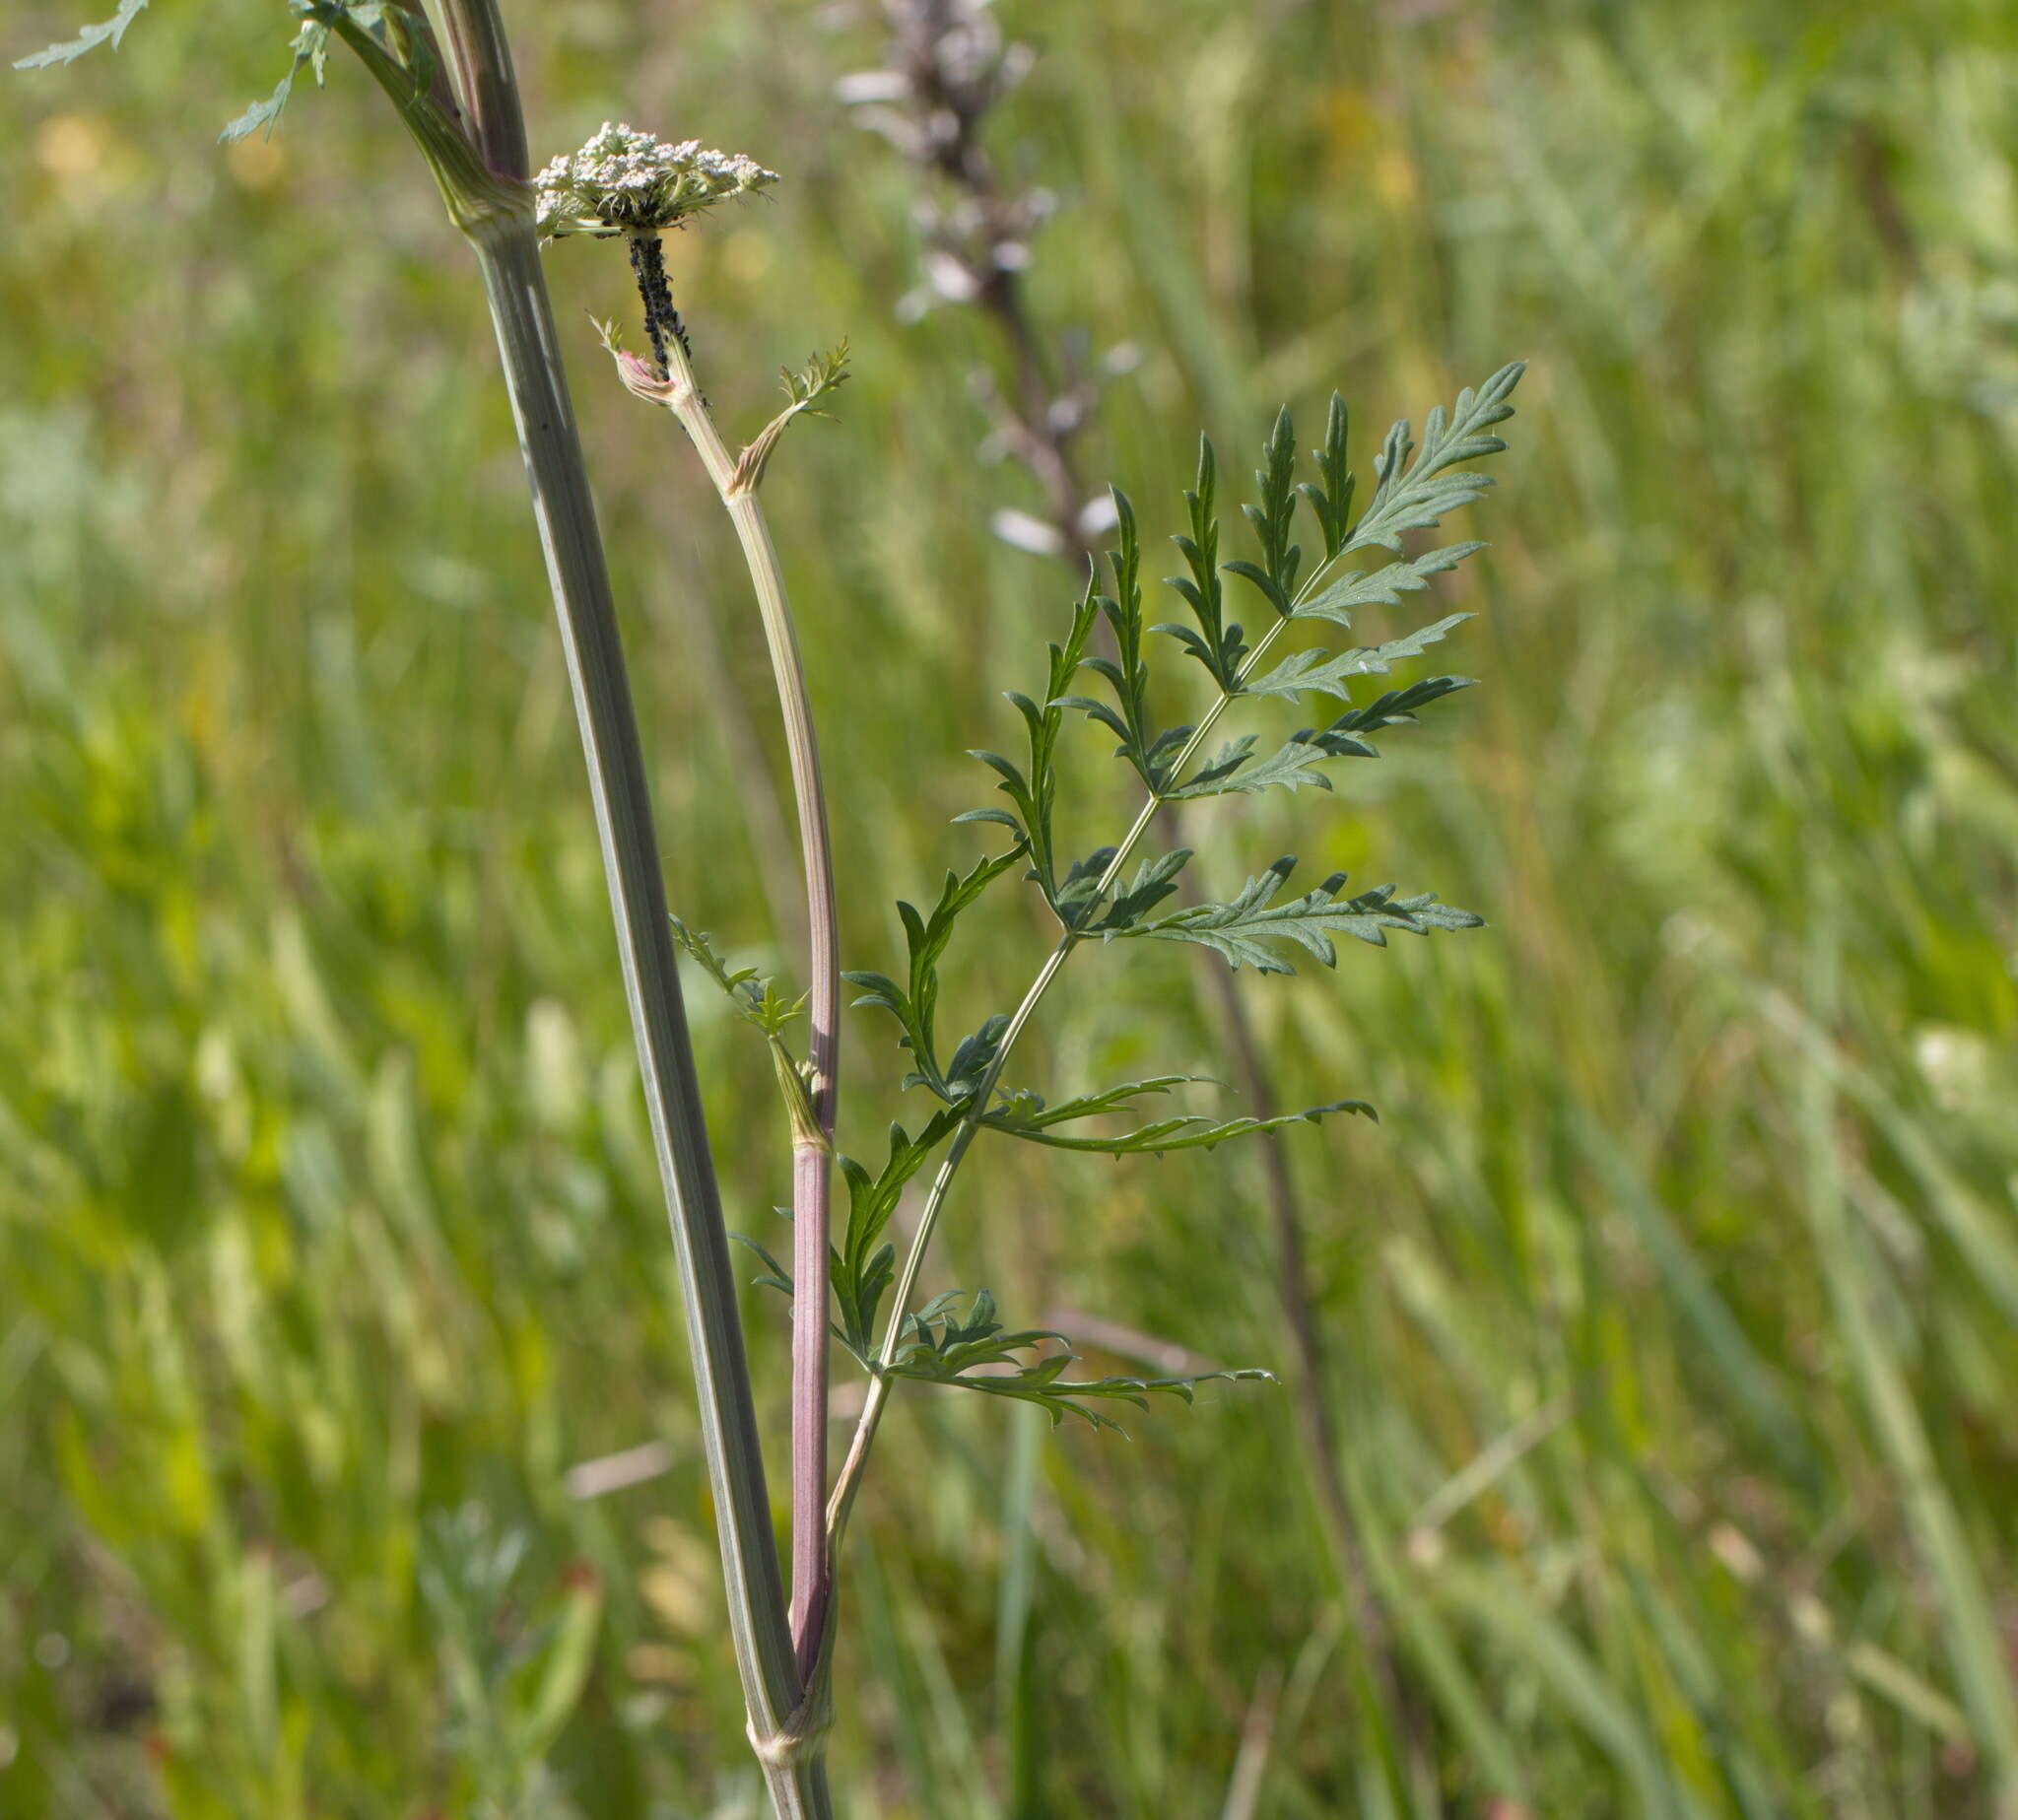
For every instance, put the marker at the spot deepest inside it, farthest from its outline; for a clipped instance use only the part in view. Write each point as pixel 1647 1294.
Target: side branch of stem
pixel 812 1172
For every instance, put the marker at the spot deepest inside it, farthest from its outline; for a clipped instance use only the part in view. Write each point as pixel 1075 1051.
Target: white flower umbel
pixel 623 181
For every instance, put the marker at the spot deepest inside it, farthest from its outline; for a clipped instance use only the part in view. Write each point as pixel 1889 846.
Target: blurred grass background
pixel 1671 1308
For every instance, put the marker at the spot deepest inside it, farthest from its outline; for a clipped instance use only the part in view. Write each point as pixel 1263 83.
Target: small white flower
pixel 623 181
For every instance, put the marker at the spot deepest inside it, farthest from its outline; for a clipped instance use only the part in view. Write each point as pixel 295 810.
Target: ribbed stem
pixel 798 1791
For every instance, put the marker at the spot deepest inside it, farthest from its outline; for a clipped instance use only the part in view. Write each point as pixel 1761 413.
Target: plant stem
pixel 484 185
pixel 812 1150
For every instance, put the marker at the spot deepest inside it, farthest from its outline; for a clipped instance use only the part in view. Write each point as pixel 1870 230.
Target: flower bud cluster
pixel 623 181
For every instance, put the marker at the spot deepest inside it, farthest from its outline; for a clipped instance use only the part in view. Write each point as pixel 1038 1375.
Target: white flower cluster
pixel 630 183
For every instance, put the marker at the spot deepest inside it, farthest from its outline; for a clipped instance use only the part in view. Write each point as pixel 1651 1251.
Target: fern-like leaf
pixel 1033 787
pixel 1293 765
pixel 1254 929
pixel 1216 644
pixel 1026 1115
pixel 863 1264
pixel 1413 494
pixel 975 1353
pixel 105 31
pixel 1340 600
pixel 1330 671
pixel 1275 575
pixel 915 1006
pixel 1331 500
pixel 1125 672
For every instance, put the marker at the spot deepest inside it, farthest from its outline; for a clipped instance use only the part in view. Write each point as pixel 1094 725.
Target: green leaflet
pixel 1022 1110
pixel 863 1267
pixel 107 32
pixel 1033 790
pixel 311 50
pixel 1275 574
pixel 1125 672
pixel 1331 500
pixel 1413 496
pixel 1385 587
pixel 1153 882
pixel 1293 765
pixel 1216 644
pixel 915 1008
pixel 1298 761
pixel 775 1275
pixel 1329 673
pixel 941 1348
pixel 1254 929
pixel 397 26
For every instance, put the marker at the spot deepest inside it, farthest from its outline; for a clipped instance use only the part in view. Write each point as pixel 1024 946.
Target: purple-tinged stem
pixel 812 1137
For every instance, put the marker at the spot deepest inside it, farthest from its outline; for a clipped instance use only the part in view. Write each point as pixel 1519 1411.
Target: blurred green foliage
pixel 1671 1308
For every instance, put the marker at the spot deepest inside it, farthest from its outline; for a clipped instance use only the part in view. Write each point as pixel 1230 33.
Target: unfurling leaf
pixel 821 375
pixel 754 996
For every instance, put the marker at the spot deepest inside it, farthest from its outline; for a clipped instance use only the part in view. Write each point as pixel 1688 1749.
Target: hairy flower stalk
pixel 630 183
pixel 482 179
